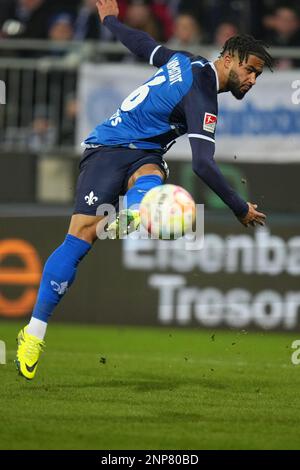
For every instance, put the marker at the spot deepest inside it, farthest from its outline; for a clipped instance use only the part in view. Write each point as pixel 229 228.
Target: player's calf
pixel 58 276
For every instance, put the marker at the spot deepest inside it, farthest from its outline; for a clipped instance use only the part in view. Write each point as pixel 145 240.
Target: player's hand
pixel 253 217
pixel 107 8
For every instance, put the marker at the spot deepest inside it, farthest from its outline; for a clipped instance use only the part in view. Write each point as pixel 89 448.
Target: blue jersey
pixel 180 97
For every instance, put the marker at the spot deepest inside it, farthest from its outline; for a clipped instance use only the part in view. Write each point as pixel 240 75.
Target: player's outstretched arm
pixel 201 109
pixel 206 168
pixel 138 42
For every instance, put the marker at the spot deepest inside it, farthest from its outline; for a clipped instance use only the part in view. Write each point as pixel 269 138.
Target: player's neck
pixel 223 79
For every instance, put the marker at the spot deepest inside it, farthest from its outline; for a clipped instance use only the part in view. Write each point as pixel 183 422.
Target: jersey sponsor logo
pixel 210 122
pixel 90 199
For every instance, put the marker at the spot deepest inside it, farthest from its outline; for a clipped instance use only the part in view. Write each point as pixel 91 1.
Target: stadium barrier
pixel 263 127
pixel 30 179
pixel 240 280
pixel 40 110
pixel 18 177
pixel 45 82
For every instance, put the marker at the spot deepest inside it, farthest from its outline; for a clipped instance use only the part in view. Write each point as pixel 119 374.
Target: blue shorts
pixel 104 175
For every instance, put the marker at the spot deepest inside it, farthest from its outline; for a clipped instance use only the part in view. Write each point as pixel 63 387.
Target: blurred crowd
pixel 180 23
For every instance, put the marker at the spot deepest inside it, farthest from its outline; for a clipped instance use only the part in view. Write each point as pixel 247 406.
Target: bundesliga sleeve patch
pixel 210 122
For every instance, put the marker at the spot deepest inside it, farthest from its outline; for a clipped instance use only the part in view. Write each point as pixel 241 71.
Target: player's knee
pixel 84 228
pixel 145 170
pixel 86 233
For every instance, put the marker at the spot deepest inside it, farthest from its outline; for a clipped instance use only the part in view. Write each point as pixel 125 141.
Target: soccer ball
pixel 168 212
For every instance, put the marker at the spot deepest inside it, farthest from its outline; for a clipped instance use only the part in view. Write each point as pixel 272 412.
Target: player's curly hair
pixel 246 45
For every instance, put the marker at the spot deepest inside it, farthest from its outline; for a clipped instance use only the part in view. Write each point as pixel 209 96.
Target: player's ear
pixel 228 60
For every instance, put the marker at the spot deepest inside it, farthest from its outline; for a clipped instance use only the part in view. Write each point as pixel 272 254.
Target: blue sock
pixel 58 275
pixel 142 185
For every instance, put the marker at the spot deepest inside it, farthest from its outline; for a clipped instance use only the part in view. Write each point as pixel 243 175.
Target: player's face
pixel 243 76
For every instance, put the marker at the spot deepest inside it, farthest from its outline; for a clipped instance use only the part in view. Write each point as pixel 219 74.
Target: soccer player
pixel 124 154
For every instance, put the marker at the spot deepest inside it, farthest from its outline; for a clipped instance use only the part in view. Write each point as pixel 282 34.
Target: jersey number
pixel 138 95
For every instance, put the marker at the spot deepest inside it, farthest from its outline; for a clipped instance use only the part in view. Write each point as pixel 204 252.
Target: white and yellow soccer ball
pixel 168 212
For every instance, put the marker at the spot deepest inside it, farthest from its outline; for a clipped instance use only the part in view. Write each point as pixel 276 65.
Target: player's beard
pixel 234 85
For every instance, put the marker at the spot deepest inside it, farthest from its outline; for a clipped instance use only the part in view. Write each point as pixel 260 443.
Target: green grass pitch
pixel 134 388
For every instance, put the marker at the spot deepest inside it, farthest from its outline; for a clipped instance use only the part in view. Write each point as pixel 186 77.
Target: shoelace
pixel 31 348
